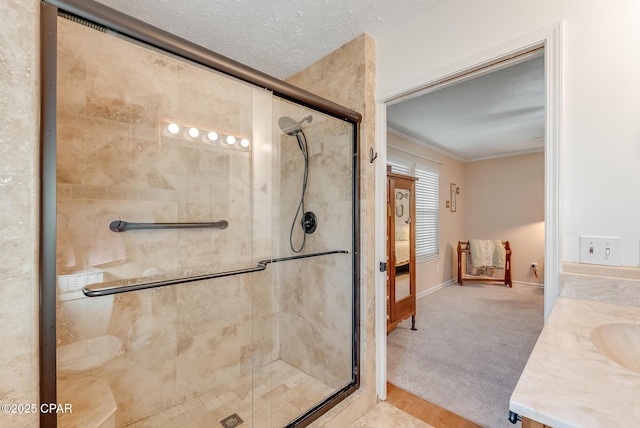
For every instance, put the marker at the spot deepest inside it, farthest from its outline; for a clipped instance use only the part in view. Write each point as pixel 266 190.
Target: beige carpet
pixel 470 348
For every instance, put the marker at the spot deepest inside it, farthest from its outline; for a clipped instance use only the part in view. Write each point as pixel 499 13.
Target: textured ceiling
pixel 497 114
pixel 277 37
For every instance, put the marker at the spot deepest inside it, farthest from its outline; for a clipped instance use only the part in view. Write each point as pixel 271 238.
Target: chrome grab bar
pixel 123 226
pixel 98 290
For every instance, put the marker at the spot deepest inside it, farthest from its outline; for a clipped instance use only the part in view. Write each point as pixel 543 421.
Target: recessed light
pixel 173 128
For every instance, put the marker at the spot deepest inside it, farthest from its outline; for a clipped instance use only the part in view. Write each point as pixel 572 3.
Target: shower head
pixel 290 126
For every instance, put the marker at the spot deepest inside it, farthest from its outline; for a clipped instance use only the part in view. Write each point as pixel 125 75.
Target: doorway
pixel 549 39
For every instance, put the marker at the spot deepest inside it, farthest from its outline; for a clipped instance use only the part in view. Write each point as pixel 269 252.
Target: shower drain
pixel 231 421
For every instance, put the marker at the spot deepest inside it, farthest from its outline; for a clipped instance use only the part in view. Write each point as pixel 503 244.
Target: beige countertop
pixel 567 382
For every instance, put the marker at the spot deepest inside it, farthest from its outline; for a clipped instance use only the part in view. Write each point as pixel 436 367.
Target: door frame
pixel 551 39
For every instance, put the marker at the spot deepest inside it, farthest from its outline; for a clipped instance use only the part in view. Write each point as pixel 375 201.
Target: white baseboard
pixel 534 284
pixel 435 288
pixel 455 281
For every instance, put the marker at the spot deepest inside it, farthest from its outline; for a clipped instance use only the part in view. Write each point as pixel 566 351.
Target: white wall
pixel 600 150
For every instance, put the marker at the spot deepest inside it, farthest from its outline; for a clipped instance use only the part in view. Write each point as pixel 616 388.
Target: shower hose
pixel 302 142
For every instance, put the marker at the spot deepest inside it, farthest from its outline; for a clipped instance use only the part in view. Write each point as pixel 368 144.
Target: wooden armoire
pixel 401 249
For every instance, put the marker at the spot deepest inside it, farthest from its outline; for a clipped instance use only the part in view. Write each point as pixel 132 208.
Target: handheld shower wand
pixel 290 126
pixel 293 128
pixel 308 222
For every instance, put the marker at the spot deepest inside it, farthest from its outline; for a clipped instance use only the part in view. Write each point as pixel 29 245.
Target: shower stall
pixel 200 234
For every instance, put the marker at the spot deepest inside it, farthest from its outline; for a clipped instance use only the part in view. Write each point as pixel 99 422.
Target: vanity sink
pixel 619 342
pixel 588 353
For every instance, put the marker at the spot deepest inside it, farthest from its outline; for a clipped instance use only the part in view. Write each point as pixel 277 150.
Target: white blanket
pixel 487 253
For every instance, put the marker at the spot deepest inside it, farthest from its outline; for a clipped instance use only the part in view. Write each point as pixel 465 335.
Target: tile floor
pixel 277 394
pixel 384 415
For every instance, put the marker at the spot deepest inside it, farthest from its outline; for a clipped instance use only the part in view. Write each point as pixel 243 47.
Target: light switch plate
pixel 600 250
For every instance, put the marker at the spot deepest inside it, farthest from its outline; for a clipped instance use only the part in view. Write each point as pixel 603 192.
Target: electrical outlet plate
pixel 600 250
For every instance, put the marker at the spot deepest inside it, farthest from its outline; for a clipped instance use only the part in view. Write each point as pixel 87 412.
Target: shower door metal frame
pixel 149 35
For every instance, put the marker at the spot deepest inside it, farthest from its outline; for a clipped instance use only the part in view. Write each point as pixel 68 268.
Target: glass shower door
pixel 162 145
pixel 206 243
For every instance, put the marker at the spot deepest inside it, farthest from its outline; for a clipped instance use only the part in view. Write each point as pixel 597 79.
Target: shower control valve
pixel 309 222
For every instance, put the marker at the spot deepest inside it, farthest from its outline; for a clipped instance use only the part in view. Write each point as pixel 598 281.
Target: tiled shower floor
pixel 275 396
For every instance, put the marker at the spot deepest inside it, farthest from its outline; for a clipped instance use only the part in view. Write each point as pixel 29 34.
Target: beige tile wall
pixel 19 148
pixel 347 77
pixel 116 163
pixel 316 294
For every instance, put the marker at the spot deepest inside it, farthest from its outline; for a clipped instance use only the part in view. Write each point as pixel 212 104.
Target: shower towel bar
pixel 123 226
pixel 97 290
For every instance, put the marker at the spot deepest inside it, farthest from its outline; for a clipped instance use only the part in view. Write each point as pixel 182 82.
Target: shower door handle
pixel 116 287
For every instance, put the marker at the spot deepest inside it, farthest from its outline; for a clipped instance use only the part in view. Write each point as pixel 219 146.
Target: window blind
pixel 427 196
pixel 427 227
pixel 399 167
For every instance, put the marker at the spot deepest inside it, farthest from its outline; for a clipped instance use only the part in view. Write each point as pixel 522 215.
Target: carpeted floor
pixel 470 348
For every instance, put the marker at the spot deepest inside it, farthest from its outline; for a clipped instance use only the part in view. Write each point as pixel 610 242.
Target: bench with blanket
pixel 482 256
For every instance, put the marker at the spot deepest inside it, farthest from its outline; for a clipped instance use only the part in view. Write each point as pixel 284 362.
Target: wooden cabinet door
pixel 401 279
pixel 391 278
